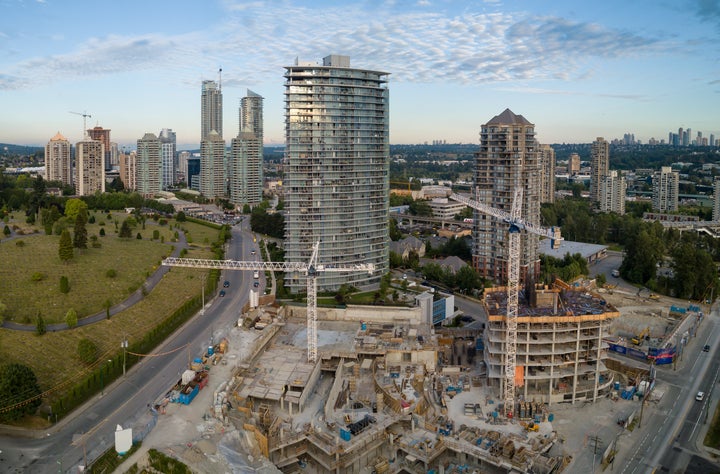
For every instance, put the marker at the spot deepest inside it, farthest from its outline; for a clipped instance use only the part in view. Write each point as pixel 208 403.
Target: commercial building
pixel 89 167
pixel 599 166
pixel 507 160
pixel 444 208
pixel 560 348
pixel 58 160
pixel 665 190
pixel 149 165
pixel 337 169
pixel 612 192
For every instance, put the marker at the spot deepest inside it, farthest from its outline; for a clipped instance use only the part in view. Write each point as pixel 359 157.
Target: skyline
pixel 602 71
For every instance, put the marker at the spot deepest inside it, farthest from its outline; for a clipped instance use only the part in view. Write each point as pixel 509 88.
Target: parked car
pixel 222 292
pixel 700 396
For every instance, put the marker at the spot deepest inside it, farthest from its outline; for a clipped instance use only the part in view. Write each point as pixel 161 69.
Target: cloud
pixel 542 91
pixel 708 10
pixel 256 40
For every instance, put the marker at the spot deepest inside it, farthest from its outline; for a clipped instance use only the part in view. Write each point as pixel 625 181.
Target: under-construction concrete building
pixel 560 348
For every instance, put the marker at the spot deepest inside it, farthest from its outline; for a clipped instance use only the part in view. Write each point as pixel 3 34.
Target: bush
pixel 20 243
pixel 139 236
pixel 71 318
pixel 102 232
pixel 156 234
pixel 40 327
pixel 64 284
pixel 163 222
pixel 38 276
pixel 87 351
pixel 111 273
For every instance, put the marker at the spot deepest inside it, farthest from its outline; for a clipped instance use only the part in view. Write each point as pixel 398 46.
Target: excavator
pixel 637 340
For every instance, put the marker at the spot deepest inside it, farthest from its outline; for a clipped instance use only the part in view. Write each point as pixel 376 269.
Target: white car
pixel 700 396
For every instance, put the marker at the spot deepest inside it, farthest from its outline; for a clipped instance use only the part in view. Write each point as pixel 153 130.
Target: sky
pixel 576 69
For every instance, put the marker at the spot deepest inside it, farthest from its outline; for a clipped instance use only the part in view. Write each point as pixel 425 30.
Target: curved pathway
pixel 132 299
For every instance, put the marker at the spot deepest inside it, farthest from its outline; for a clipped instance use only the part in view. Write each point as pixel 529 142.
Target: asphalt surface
pixel 89 430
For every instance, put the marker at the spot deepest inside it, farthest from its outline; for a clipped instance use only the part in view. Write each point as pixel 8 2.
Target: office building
pixel 149 165
pixel 337 170
pixel 546 157
pixel 58 160
pixel 181 174
pixel 599 166
pixel 89 167
pixel 211 109
pixel 169 161
pixel 507 160
pixel 212 167
pixel 128 170
pixel 612 193
pixel 193 172
pixel 665 190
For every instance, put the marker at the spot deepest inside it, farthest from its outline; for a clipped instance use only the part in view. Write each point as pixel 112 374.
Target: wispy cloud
pixel 708 10
pixel 257 39
pixel 543 91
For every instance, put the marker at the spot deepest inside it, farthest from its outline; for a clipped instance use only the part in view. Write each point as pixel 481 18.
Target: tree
pixel 64 284
pixel 18 384
pixel 73 207
pixel 40 327
pixel 180 217
pixel 65 249
pixel 6 230
pixel 80 238
pixel 87 351
pixel 125 231
pixel 71 318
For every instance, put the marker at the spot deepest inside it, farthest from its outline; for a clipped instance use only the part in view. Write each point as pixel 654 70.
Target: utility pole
pixel 124 345
pixel 202 278
pixel 707 412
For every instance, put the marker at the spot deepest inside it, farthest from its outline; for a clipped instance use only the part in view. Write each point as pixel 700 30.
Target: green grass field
pixel 53 356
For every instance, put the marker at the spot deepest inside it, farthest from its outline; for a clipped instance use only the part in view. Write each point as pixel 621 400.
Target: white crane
pixel 310 269
pixel 516 224
pixel 85 116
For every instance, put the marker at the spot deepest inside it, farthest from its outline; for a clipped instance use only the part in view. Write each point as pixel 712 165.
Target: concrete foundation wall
pixel 369 314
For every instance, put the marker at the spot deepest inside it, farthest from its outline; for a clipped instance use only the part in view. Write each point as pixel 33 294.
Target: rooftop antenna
pixel 85 116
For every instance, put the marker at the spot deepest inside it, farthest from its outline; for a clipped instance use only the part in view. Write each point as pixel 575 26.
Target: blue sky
pixel 576 69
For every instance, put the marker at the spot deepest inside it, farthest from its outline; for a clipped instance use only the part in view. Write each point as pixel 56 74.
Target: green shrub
pixel 64 284
pixel 87 351
pixel 111 273
pixel 38 276
pixel 71 318
pixel 20 243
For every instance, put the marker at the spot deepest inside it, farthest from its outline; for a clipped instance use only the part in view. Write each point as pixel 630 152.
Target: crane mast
pixel 516 225
pixel 310 269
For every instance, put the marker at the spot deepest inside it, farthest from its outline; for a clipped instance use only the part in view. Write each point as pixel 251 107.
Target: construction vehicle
pixel 529 426
pixel 653 296
pixel 310 269
pixel 637 340
pixel 516 224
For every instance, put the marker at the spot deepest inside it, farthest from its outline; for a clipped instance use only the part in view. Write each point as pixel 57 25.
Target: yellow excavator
pixel 637 340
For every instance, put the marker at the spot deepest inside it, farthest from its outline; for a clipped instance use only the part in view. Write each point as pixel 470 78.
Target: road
pixel 89 431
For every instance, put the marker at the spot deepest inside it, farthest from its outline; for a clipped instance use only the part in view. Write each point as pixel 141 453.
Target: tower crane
pixel 85 116
pixel 515 225
pixel 311 269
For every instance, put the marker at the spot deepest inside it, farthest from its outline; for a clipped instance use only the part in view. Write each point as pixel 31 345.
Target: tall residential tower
pixel 211 109
pixel 58 160
pixel 600 164
pixel 246 153
pixel 337 173
pixel 508 159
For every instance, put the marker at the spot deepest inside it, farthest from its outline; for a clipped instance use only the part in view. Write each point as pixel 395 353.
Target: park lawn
pixel 90 287
pixel 53 356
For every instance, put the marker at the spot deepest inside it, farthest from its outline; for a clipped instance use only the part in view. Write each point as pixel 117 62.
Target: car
pixel 252 253
pixel 222 292
pixel 256 274
pixel 706 348
pixel 256 284
pixel 226 284
pixel 616 273
pixel 700 396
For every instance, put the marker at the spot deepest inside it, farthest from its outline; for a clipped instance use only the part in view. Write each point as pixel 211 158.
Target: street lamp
pixel 102 382
pixel 202 278
pixel 124 345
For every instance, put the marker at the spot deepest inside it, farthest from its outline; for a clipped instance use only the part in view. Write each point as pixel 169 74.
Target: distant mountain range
pixel 9 149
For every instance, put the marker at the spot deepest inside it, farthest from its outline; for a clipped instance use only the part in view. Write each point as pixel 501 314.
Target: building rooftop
pixel 569 247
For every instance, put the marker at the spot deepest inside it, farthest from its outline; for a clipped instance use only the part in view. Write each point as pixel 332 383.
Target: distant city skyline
pixel 580 72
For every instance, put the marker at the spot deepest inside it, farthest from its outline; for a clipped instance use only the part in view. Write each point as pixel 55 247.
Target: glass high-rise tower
pixel 337 170
pixel 211 109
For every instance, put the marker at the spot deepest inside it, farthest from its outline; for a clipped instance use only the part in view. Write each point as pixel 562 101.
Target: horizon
pixel 576 73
